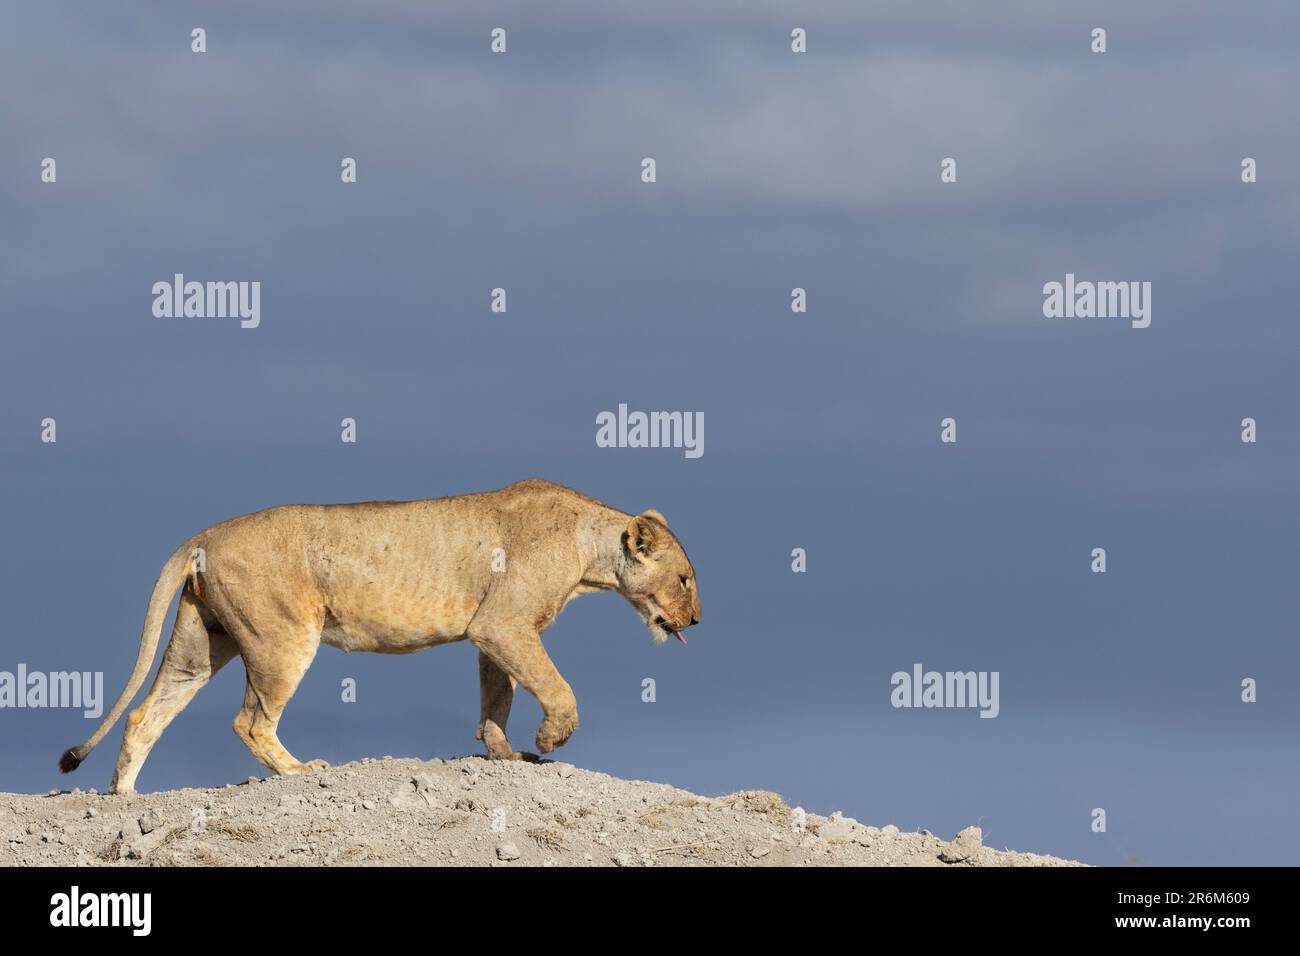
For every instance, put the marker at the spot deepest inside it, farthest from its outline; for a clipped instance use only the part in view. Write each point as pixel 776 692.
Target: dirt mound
pixel 465 812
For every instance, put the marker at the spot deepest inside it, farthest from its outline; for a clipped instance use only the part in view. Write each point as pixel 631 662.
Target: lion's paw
pixel 513 755
pixel 555 731
pixel 311 766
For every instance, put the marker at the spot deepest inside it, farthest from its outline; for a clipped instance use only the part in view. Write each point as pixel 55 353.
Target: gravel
pixel 463 812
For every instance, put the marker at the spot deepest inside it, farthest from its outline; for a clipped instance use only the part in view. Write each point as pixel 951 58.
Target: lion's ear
pixel 654 515
pixel 643 538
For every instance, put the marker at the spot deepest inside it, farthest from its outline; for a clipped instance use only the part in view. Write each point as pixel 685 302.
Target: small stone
pixel 890 830
pixel 91 813
pixel 758 852
pixel 367 804
pixel 142 846
pixel 507 851
pixel 623 858
pixel 149 822
pixel 838 828
pixel 963 846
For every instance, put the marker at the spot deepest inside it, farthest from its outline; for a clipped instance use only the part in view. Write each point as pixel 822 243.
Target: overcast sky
pixel 775 170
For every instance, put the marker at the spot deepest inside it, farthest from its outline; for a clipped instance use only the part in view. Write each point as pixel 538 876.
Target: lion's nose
pixel 695 619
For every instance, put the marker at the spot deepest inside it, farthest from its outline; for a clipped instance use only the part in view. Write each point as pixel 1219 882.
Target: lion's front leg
pixel 496 694
pixel 520 655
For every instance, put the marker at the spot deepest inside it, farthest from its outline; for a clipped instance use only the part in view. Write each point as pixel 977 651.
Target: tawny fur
pixel 394 577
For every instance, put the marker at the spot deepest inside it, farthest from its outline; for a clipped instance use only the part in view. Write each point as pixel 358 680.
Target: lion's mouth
pixel 663 626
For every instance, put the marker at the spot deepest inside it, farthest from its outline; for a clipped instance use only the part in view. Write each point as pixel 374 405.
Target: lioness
pixel 394 577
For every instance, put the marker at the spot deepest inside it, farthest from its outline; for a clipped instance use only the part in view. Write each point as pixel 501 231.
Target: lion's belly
pixel 401 631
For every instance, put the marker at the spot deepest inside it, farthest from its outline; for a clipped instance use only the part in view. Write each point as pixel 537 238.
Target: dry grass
pixel 206 856
pixel 761 801
pixel 546 839
pixel 242 832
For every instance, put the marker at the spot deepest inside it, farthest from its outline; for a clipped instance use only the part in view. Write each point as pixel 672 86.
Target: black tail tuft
pixel 70 760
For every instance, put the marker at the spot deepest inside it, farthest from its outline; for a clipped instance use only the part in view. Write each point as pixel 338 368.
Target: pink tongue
pixel 678 635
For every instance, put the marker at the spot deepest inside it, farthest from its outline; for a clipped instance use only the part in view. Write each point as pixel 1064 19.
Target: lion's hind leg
pixel 275 665
pixel 193 655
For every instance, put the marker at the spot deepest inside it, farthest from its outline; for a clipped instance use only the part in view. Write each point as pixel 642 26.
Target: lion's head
pixel 657 577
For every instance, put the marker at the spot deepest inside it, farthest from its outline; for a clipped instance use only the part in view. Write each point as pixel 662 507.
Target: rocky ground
pixel 465 812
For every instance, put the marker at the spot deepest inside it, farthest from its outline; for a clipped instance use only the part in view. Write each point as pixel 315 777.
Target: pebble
pixel 838 828
pixel 964 845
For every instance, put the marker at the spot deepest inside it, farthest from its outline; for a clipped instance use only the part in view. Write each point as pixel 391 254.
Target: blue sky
pixel 775 170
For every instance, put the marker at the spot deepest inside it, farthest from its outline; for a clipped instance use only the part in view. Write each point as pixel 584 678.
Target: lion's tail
pixel 173 573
